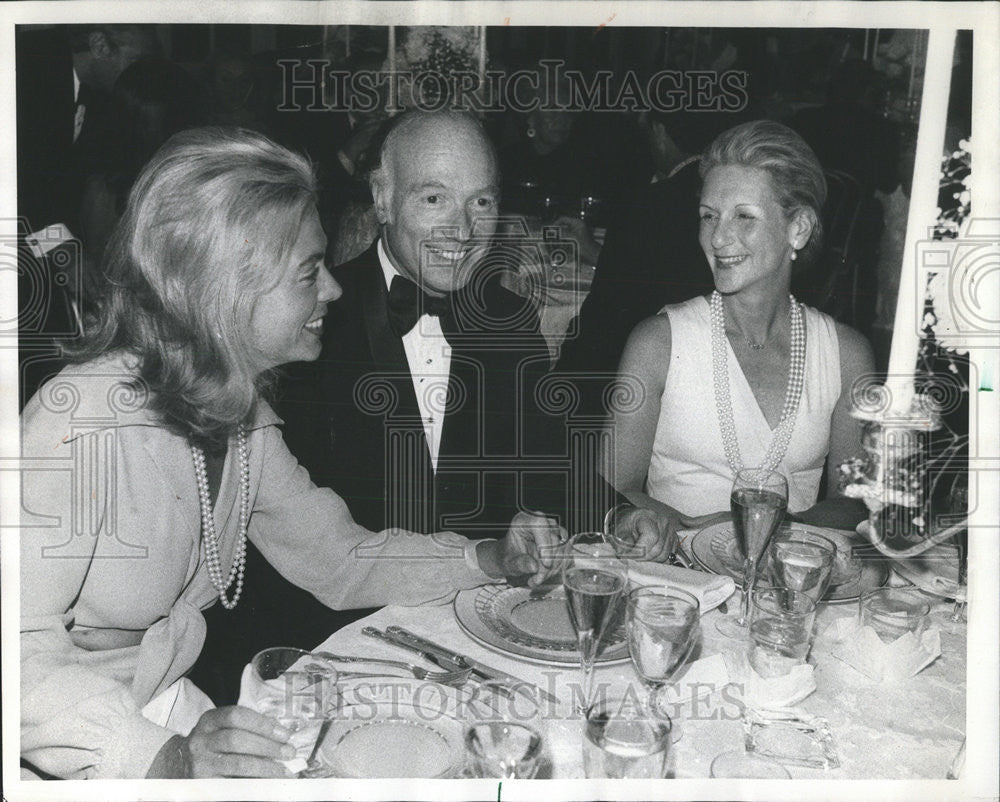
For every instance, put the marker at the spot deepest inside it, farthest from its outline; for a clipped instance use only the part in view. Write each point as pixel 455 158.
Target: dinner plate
pixel 390 730
pixel 935 571
pixel 714 549
pixel 513 621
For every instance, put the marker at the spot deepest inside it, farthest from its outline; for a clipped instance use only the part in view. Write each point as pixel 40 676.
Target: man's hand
pixel 527 554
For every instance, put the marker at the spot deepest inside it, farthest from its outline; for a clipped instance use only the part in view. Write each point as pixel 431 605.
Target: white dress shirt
pixel 429 357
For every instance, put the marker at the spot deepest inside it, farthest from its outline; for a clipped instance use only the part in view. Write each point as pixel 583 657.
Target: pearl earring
pixel 794 255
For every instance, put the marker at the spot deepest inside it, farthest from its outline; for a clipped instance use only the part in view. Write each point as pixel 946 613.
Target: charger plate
pixel 392 729
pixel 537 627
pixel 714 549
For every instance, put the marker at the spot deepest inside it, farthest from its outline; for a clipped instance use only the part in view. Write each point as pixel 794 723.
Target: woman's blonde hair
pixel 208 225
pixel 796 174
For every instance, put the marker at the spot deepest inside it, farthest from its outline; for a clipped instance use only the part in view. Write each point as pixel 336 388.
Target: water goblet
pixel 503 749
pixel 801 564
pixel 892 612
pixel 781 630
pixel 595 582
pixel 759 499
pixel 625 740
pixel 662 625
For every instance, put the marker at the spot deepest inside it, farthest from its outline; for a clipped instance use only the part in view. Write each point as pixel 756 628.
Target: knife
pixel 462 661
pixel 449 665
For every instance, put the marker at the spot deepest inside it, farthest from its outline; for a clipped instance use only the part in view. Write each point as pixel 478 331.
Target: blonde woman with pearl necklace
pixel 150 461
pixel 747 376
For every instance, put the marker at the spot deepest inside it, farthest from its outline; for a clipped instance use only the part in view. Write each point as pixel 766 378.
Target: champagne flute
pixel 595 583
pixel 758 501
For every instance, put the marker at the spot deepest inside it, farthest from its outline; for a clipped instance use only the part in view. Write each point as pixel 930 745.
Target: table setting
pixel 842 668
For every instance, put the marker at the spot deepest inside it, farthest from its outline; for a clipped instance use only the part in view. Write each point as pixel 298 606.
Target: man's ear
pixel 100 47
pixel 381 195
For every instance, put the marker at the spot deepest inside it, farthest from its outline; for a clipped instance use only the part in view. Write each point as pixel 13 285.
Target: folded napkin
pixel 701 678
pixel 862 649
pixel 770 693
pixel 300 706
pixel 711 590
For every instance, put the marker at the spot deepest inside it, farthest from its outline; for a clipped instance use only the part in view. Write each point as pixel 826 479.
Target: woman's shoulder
pixel 100 393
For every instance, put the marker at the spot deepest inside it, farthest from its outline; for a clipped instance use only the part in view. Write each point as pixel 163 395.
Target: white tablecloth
pixel 907 731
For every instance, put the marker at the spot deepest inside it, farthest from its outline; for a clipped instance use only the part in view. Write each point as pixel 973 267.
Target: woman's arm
pixel 857 364
pixel 643 368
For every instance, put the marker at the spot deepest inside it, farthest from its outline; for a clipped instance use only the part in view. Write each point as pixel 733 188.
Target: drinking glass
pixel 758 501
pixel 739 765
pixel 781 630
pixel 290 685
pixel 892 612
pixel 801 564
pixel 624 740
pixel 594 581
pixel 503 749
pixel 662 626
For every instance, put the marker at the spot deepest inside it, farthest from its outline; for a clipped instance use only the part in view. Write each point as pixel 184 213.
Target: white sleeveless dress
pixel 688 468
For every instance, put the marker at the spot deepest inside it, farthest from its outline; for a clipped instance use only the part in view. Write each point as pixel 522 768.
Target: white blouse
pixel 688 468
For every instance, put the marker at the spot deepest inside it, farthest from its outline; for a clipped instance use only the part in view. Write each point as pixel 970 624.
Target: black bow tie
pixel 407 302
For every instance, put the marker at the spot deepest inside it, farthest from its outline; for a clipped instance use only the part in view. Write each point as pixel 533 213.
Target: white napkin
pixel 770 693
pixel 711 590
pixel 273 698
pixel 701 678
pixel 862 649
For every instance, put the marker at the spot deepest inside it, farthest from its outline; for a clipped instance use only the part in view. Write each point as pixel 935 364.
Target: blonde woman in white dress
pixel 746 376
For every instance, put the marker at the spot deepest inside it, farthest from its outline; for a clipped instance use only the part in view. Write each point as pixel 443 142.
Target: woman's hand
pixel 227 742
pixel 528 553
pixel 645 534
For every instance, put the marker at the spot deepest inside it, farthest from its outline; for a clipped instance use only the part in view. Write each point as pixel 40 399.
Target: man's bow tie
pixel 407 302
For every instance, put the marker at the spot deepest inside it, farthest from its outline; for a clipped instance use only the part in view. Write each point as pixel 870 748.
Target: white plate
pixel 392 729
pixel 510 621
pixel 714 549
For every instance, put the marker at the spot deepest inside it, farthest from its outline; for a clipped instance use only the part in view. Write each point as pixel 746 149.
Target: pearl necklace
pixel 208 533
pixel 723 402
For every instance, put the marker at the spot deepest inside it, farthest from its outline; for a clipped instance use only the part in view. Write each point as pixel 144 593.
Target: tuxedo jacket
pixel 352 418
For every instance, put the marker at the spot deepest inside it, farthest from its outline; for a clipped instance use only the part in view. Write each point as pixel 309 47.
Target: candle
pixel 913 68
pixel 923 203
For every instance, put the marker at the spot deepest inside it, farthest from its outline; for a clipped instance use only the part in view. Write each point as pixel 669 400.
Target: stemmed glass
pixel 595 582
pixel 662 626
pixel 758 501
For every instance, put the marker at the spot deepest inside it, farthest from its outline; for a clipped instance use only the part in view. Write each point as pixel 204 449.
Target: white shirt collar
pixel 389 271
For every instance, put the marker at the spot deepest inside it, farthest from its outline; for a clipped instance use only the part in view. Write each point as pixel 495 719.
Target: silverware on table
pixel 457 676
pixel 481 669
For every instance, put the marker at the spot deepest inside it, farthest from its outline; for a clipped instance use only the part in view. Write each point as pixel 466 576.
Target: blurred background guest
pixel 650 257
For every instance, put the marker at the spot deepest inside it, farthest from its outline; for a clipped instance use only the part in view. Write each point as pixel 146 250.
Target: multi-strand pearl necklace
pixel 208 532
pixel 723 402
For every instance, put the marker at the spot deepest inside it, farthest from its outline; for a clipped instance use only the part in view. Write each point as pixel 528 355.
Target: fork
pixel 454 678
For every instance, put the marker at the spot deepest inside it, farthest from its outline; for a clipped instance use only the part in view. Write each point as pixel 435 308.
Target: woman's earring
pixel 530 132
pixel 794 254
